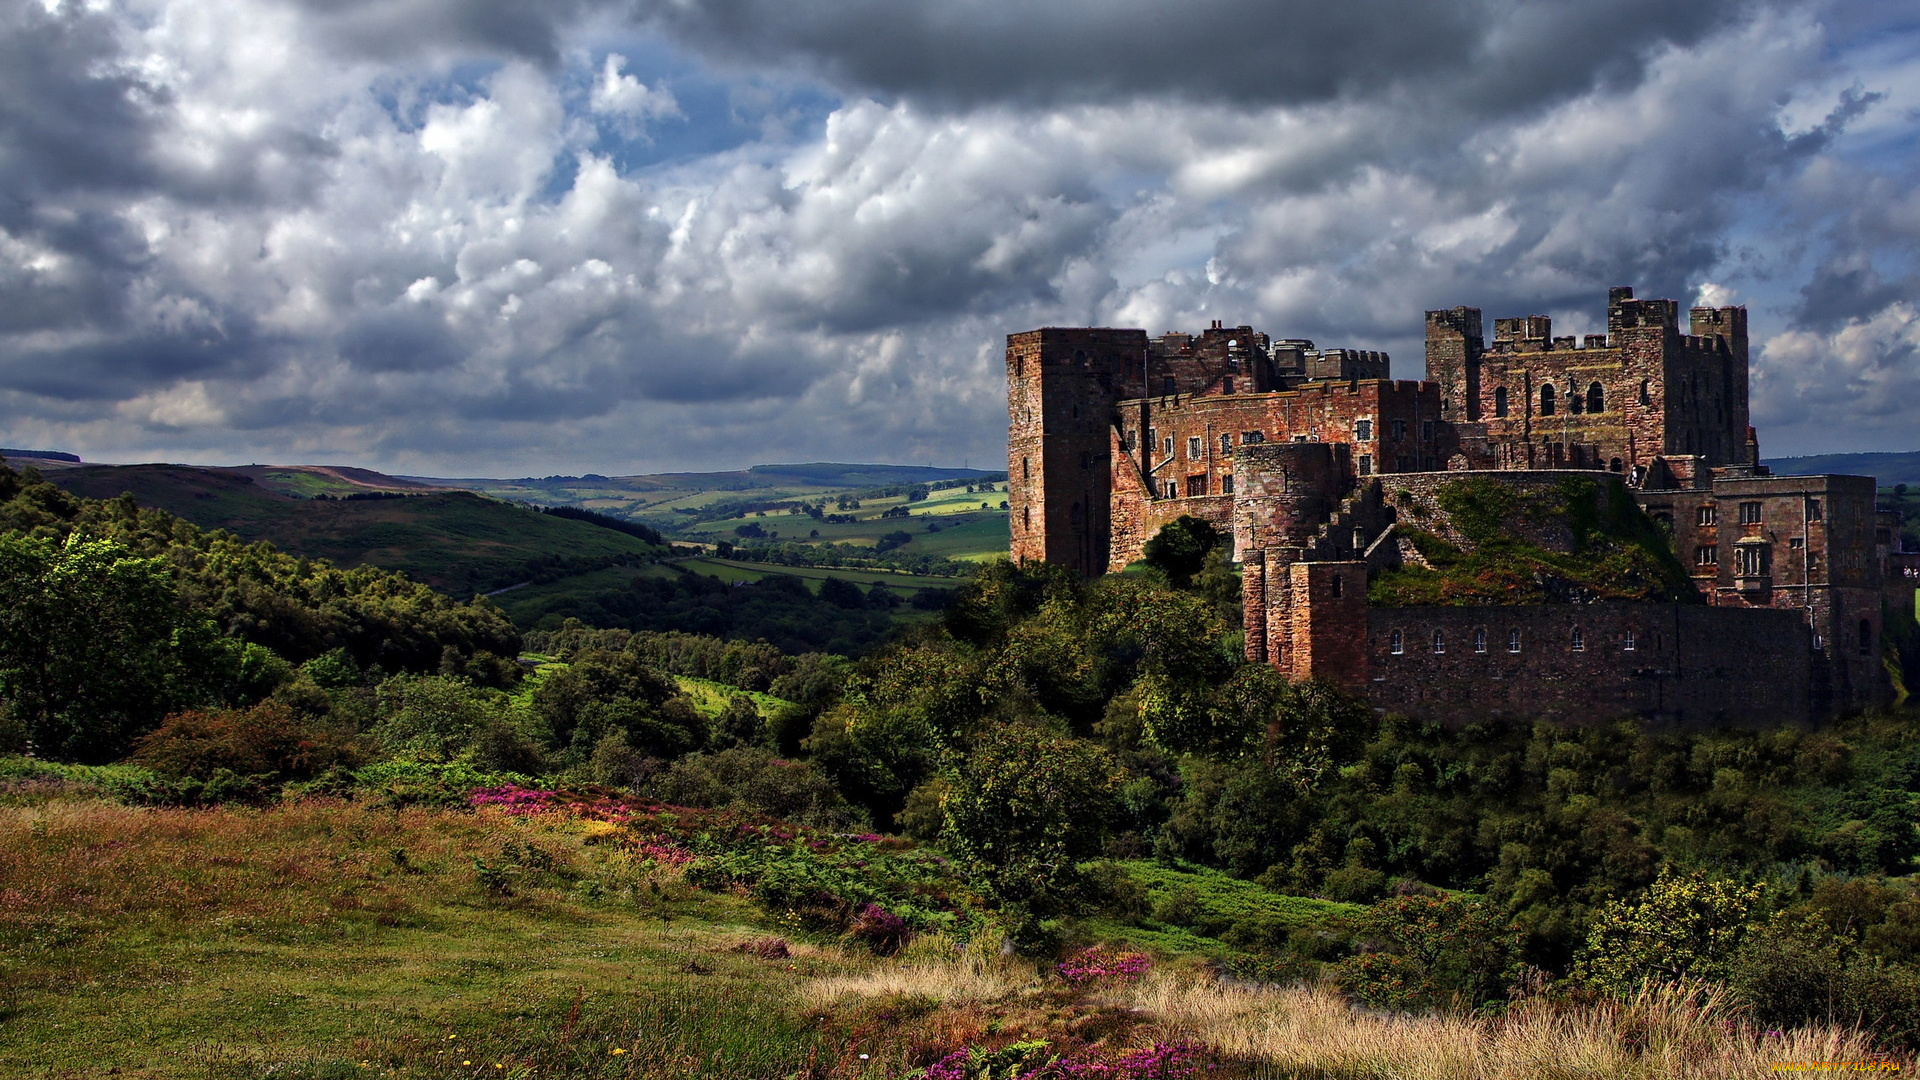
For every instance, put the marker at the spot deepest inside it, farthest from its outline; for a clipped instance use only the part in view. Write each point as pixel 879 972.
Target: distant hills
pixel 1888 469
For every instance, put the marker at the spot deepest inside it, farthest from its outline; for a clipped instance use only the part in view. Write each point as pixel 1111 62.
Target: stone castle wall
pixel 1678 664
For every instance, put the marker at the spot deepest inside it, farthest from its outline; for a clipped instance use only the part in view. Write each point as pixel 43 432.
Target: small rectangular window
pixel 1166 446
pixel 1426 431
pixel 1397 643
pixel 1226 443
pixel 1226 483
pixel 1168 385
pixel 1196 486
pixel 1439 641
pixel 1813 510
pixel 1749 513
pixel 1480 640
pixel 1171 489
pixel 1399 430
pixel 1363 430
pixel 1579 640
pixel 1513 641
pixel 1706 555
pixel 1252 438
pixel 1628 643
pixel 1193 448
pixel 1705 516
pixel 1366 464
pixel 1226 385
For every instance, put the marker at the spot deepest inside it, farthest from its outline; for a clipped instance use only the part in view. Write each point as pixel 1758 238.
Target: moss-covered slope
pixel 1487 542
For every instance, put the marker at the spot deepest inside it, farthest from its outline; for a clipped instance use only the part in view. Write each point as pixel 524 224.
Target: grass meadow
pixel 330 939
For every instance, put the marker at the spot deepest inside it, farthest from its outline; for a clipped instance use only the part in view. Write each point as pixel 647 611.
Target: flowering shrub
pixel 513 799
pixel 1103 962
pixel 883 931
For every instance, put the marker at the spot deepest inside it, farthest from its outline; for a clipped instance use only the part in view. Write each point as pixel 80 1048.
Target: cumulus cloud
pixel 463 236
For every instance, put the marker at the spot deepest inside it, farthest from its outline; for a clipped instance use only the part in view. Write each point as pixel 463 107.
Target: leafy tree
pixel 1424 952
pixel 1687 926
pixel 87 645
pixel 1025 808
pixel 433 719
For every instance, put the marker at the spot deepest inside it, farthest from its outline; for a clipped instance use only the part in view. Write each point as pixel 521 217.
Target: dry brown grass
pixel 1314 1032
pixel 934 970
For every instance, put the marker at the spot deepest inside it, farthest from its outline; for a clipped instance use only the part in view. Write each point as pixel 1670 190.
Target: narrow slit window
pixel 1396 643
pixel 1579 640
pixel 1439 641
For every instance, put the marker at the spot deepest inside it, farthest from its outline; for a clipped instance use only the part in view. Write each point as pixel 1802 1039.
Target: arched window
pixel 1616 465
pixel 1596 399
pixel 1866 638
pixel 1546 400
pixel 1499 401
pixel 1439 641
pixel 1646 391
pixel 1579 640
pixel 1396 643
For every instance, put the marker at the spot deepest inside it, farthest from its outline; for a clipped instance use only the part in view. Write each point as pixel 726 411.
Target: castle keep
pixel 1328 473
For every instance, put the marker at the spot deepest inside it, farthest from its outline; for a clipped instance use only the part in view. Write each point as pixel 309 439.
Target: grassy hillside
pixel 456 541
pixel 320 941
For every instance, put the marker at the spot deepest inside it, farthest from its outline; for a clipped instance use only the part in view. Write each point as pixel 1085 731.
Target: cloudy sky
pixel 499 237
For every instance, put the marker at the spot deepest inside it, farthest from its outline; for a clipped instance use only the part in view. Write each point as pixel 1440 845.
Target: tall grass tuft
pixel 1314 1033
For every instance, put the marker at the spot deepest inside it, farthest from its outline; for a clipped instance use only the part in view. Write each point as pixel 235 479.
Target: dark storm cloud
pixel 403 338
pixel 1489 55
pixel 70 117
pixel 390 29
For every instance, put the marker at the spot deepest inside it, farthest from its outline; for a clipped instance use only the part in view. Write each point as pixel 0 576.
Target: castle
pixel 1328 473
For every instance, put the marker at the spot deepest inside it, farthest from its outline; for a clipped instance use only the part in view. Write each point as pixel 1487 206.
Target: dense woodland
pixel 1055 739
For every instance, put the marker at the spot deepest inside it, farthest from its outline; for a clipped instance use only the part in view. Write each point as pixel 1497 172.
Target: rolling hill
pixel 456 541
pixel 1887 469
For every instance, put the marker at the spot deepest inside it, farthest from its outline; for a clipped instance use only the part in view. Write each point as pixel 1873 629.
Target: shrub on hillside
pixel 1686 926
pixel 269 741
pixel 752 778
pixel 1425 952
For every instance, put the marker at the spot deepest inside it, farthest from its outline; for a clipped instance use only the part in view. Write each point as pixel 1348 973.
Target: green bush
pixel 1425 952
pixel 1686 926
